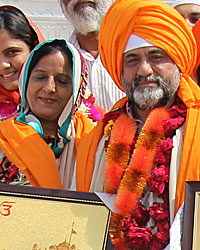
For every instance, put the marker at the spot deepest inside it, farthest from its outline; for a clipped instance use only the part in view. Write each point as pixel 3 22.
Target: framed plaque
pixel 191 229
pixel 52 219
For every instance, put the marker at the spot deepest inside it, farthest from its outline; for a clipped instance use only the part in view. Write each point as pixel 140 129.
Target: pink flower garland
pixel 134 227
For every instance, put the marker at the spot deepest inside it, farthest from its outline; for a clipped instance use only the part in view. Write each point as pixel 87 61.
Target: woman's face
pixel 50 86
pixel 13 53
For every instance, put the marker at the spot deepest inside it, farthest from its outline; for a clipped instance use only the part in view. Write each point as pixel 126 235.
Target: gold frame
pixel 48 219
pixel 196 228
pixel 191 228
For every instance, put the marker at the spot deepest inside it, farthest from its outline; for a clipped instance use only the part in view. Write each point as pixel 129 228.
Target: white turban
pixel 179 2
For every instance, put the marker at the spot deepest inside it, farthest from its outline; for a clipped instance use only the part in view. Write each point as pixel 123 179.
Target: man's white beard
pixel 88 19
pixel 147 98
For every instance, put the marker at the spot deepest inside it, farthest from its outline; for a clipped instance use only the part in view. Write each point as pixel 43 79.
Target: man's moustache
pixel 140 79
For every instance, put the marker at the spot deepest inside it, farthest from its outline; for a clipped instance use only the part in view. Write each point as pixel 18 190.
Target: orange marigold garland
pixel 118 152
pixel 139 168
pixel 132 178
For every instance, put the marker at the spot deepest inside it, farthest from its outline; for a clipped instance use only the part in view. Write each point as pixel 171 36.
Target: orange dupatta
pixel 82 125
pixel 86 153
pixel 24 147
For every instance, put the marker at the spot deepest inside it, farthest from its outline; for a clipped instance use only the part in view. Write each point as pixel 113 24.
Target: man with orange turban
pixel 147 147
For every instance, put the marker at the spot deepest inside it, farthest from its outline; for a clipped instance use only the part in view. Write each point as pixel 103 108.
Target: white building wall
pixel 47 14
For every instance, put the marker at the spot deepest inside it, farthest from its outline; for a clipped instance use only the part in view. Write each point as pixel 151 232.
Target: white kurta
pixel 100 82
pixel 66 162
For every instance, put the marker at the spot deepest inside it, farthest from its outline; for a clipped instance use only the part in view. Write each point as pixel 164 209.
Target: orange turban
pixel 160 24
pixel 196 31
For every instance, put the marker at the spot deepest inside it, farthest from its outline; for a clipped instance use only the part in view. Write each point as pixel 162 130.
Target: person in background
pixel 196 71
pixel 86 16
pixel 38 146
pixel 18 35
pixel 147 147
pixel 189 9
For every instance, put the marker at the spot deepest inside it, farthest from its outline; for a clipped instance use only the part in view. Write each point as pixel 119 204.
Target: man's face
pixel 150 77
pixel 191 13
pixel 85 15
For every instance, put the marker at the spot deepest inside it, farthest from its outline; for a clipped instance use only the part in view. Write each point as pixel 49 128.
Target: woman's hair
pixel 15 22
pixel 49 48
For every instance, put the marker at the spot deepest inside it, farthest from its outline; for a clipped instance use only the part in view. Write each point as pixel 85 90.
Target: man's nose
pixel 144 69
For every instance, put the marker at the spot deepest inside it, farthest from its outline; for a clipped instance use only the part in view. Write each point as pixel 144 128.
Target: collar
pixel 139 123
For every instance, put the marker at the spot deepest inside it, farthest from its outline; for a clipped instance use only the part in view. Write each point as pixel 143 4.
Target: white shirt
pixel 100 82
